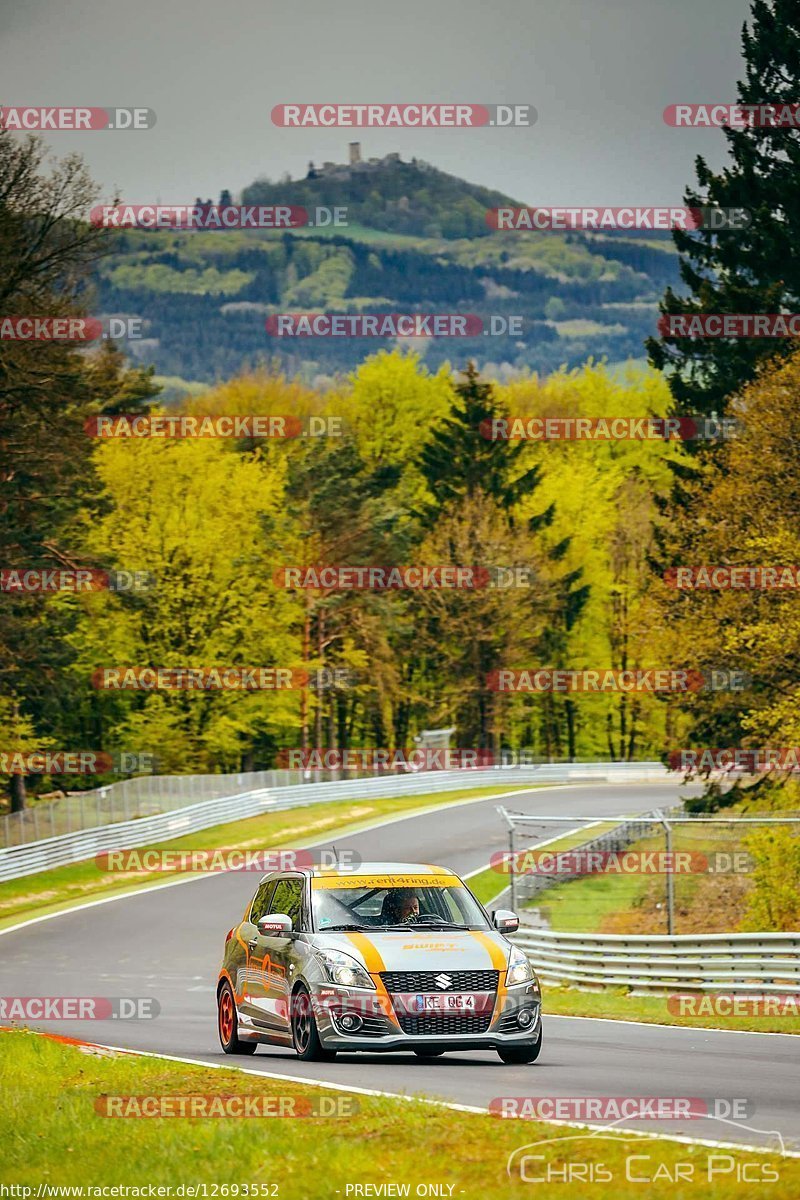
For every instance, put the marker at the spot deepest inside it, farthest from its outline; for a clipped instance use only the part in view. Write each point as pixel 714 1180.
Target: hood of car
pixel 422 950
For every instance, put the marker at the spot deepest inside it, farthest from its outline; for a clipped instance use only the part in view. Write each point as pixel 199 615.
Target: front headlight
pixel 519 970
pixel 344 970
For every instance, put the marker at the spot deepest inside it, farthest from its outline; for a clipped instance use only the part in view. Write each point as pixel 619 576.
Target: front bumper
pixel 377 1031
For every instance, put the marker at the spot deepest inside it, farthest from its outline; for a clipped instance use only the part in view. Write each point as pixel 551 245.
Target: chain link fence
pixel 129 800
pixel 661 872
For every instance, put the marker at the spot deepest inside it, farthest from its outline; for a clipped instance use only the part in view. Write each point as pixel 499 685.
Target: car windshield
pixel 355 903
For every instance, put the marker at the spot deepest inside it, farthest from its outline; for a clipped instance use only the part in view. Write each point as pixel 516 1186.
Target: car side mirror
pixel 275 923
pixel 505 921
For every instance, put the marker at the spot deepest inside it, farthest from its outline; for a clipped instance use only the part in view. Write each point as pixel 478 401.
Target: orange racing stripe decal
pixel 375 965
pixel 498 958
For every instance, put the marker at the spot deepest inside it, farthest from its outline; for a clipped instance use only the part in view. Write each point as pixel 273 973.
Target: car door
pixel 272 956
pixel 250 981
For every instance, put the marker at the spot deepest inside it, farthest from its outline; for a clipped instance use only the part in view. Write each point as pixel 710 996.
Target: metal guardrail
pixel 712 962
pixel 145 795
pixel 41 855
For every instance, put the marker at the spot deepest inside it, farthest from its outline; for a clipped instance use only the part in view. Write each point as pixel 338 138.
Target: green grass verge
pixel 595 903
pixel 584 904
pixel 53 1134
pixel 49 891
pixel 617 1004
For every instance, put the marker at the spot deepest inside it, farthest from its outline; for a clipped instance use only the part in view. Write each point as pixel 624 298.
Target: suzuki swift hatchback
pixel 390 956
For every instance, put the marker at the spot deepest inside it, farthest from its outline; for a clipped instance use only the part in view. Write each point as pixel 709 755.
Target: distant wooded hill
pixel 416 239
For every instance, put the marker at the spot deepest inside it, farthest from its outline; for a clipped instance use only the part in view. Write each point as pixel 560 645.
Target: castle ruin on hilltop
pixel 356 165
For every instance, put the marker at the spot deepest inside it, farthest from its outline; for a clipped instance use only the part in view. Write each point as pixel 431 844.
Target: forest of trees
pixel 204 298
pixel 598 526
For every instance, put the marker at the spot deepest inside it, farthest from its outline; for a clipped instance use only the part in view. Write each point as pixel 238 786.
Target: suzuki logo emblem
pixel 443 981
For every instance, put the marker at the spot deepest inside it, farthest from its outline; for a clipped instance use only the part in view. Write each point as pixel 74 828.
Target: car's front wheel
pixel 228 1024
pixel 519 1055
pixel 305 1034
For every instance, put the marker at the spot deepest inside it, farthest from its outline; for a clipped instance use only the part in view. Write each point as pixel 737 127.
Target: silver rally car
pixel 390 956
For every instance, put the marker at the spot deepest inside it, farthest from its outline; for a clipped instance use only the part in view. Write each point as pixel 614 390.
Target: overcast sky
pixel 599 72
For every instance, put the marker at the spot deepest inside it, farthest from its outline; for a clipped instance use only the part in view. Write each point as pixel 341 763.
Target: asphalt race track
pixel 167 943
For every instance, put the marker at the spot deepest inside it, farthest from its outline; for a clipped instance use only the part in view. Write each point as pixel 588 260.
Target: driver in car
pixel 401 906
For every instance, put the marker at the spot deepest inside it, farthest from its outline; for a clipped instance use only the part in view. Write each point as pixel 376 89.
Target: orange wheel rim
pixel 226 1016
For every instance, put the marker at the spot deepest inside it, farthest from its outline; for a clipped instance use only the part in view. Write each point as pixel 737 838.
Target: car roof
pixel 420 870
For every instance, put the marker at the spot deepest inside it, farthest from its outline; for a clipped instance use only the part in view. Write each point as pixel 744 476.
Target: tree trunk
pixel 18 795
pixel 570 707
pixel 304 691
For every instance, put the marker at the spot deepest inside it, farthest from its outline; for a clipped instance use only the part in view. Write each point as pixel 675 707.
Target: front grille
pixel 440 1023
pixel 425 981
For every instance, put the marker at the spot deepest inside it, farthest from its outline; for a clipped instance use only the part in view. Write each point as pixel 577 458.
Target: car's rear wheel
pixel 421 1052
pixel 519 1055
pixel 228 1024
pixel 305 1034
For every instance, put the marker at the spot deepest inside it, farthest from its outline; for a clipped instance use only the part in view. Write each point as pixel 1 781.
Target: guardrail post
pixel 670 880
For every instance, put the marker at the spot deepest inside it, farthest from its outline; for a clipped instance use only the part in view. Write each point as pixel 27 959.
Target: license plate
pixel 457 1002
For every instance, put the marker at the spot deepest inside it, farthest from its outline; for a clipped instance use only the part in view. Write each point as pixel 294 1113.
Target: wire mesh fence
pixel 130 799
pixel 661 872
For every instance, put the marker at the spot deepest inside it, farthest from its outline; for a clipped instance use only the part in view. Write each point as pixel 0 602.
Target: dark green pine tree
pixel 756 270
pixel 458 460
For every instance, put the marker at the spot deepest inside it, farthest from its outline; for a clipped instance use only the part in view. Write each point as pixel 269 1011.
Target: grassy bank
pixel 617 1004
pixel 53 1134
